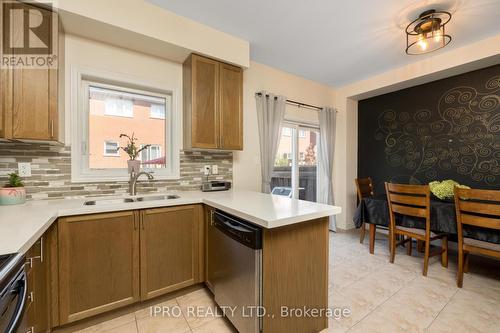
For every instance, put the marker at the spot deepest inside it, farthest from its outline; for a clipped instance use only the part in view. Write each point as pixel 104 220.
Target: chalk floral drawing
pixel 465 137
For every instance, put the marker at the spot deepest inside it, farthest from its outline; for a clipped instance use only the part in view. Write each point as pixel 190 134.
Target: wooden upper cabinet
pixel 170 249
pixel 204 114
pixel 98 263
pixel 231 107
pixel 213 107
pixel 34 113
pixel 29 95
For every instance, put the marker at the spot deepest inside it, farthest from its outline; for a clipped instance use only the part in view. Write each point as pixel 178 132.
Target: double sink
pixel 99 202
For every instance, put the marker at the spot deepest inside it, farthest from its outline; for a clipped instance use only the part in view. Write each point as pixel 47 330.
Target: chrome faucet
pixel 132 184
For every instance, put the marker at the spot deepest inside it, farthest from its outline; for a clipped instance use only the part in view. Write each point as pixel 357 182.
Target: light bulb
pixel 437 35
pixel 423 45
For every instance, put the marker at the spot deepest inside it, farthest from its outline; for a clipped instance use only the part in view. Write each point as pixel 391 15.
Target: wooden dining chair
pixel 478 208
pixel 413 200
pixel 364 186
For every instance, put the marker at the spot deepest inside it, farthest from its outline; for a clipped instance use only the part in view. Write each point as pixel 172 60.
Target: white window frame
pixel 296 127
pixel 116 154
pixel 81 78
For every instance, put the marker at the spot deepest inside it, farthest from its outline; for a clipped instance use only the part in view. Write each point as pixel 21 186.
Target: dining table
pixel 375 210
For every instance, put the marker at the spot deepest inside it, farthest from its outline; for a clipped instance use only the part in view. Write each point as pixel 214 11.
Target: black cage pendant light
pixel 427 33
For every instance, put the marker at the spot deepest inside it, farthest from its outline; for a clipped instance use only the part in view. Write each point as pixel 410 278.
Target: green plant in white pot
pixel 13 193
pixel 133 152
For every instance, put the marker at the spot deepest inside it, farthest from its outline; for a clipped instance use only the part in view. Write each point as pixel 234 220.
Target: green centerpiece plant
pixel 444 190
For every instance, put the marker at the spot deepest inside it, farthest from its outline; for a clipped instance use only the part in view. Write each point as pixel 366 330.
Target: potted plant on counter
pixel 132 152
pixel 13 193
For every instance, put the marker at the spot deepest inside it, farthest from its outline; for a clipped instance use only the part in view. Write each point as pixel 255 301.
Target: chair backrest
pixel 480 208
pixel 412 200
pixel 364 187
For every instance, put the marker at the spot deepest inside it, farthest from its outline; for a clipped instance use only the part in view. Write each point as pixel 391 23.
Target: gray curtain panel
pixel 270 113
pixel 327 121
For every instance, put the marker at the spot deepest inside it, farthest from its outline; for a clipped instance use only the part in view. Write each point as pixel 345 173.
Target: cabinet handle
pixel 29 262
pixel 212 217
pixel 31 330
pixel 52 129
pixel 31 297
pixel 41 251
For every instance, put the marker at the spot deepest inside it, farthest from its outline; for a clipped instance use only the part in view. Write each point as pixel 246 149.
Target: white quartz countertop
pixel 22 225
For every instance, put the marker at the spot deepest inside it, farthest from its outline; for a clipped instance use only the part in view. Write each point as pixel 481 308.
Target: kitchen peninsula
pixel 76 240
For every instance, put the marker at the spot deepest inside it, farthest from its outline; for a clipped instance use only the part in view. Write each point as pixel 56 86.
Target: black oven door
pixel 12 301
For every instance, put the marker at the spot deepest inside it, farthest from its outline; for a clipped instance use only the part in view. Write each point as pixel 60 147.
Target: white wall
pixel 119 21
pixel 259 77
pixel 81 52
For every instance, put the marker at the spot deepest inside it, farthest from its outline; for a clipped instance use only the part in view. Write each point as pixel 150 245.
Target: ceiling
pixel 335 42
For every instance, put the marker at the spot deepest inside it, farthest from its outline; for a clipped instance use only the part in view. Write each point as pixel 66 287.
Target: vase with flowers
pixel 132 151
pixel 13 192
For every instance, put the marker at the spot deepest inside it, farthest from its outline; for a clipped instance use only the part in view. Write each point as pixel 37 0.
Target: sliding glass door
pixel 295 168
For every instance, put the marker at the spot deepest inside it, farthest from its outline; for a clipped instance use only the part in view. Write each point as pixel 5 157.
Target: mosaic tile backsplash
pixel 51 172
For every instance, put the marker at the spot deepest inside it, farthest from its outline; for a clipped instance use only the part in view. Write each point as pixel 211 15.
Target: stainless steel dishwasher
pixel 235 253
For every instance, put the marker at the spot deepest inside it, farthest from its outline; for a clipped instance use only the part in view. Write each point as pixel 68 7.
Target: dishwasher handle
pixel 235 226
pixel 239 230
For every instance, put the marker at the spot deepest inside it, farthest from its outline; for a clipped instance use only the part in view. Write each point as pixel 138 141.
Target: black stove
pixel 4 259
pixel 13 291
pixel 8 266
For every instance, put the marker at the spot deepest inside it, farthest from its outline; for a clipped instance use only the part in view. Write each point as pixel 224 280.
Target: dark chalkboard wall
pixel 446 129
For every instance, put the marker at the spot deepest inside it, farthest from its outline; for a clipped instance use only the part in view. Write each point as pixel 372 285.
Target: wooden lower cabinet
pixel 109 260
pixel 37 308
pixel 98 263
pixel 295 275
pixel 170 249
pixel 209 243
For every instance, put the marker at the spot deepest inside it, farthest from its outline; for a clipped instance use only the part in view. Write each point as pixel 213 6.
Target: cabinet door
pixel 170 240
pixel 204 113
pixel 231 107
pixel 34 114
pixel 98 264
pixel 29 106
pixel 209 243
pixel 40 295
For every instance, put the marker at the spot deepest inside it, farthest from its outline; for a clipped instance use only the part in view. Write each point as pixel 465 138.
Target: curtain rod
pixel 298 104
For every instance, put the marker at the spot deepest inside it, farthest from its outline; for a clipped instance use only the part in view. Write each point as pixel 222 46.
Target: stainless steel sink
pixel 107 201
pixel 99 202
pixel 158 197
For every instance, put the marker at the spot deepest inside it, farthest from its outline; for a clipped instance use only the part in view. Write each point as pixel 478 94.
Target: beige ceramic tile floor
pixel 386 297
pixel 382 297
pixel 177 318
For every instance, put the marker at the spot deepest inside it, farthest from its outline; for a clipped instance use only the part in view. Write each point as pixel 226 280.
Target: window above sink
pixel 111 105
